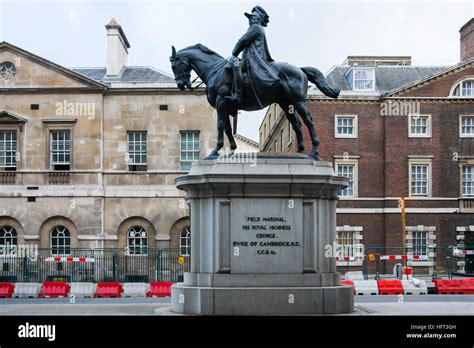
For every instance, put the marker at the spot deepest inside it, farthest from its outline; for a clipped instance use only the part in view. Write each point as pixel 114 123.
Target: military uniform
pixel 255 55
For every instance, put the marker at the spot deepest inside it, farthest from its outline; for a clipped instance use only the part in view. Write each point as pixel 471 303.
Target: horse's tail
pixel 316 77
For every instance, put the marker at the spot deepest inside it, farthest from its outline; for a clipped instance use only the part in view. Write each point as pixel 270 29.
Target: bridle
pixel 215 66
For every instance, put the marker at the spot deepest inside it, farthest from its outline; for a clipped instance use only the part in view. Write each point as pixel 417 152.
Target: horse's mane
pixel 204 49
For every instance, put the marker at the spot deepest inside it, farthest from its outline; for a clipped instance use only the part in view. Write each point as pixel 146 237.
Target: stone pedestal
pixel 259 234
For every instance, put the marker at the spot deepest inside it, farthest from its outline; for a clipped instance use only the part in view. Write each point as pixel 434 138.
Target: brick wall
pixel 383 146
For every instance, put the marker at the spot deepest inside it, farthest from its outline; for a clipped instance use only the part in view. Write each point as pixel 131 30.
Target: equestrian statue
pixel 251 83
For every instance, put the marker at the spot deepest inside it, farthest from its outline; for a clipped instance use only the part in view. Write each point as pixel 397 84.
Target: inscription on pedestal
pixel 266 236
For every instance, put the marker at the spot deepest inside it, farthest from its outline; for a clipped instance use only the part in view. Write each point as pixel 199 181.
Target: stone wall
pixel 98 199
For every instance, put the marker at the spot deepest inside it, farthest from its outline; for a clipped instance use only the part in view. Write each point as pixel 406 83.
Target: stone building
pixel 245 145
pixel 89 156
pixel 397 130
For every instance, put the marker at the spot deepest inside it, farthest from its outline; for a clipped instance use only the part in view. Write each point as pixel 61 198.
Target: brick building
pixel 397 130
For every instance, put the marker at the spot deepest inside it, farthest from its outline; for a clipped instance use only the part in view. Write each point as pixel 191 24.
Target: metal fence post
pixel 377 265
pixel 158 266
pixel 25 269
pixel 365 268
pixel 115 266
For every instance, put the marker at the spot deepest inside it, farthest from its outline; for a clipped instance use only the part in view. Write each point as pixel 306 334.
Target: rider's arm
pixel 253 31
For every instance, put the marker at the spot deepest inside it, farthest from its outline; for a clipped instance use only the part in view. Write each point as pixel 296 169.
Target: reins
pixel 217 66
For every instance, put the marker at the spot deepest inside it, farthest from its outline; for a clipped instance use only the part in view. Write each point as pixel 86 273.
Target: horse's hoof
pixel 212 155
pixel 314 155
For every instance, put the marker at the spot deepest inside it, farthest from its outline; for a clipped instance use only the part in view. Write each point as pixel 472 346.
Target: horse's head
pixel 181 70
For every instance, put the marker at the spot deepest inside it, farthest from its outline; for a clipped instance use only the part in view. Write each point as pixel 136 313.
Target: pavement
pixel 82 306
pixel 364 305
pixel 429 305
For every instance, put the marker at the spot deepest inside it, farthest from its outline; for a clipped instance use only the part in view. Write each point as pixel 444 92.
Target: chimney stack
pixel 467 40
pixel 117 48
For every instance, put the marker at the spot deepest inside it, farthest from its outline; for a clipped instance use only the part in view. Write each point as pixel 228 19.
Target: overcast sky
pixel 314 33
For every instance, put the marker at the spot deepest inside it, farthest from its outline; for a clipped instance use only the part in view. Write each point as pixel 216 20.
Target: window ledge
pixel 349 157
pixel 59 120
pixel 30 237
pixel 162 237
pixel 420 157
pixel 420 263
pixel 338 136
pixel 363 90
pixel 424 136
pixel 350 263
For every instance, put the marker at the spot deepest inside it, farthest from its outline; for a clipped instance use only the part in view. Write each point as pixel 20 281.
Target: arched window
pixel 60 241
pixel 464 88
pixel 137 241
pixel 185 241
pixel 7 235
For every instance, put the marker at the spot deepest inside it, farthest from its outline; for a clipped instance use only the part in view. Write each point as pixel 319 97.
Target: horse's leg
pixel 302 109
pixel 221 125
pixel 228 132
pixel 295 124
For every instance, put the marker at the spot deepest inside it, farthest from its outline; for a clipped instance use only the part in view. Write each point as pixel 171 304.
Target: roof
pixel 96 77
pixel 387 78
pixel 466 25
pixel 68 72
pixel 447 70
pixel 129 74
pixel 246 140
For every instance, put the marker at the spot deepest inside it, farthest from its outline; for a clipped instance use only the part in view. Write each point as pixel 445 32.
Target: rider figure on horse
pixel 255 57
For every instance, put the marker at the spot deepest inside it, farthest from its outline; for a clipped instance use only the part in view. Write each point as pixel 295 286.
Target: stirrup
pixel 236 99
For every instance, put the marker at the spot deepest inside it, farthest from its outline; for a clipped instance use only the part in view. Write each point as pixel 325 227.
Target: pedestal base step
pixel 261 300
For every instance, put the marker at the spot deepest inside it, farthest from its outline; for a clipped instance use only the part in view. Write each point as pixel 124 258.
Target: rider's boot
pixel 236 96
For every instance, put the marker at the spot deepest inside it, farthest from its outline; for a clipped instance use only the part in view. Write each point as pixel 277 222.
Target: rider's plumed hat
pixel 258 11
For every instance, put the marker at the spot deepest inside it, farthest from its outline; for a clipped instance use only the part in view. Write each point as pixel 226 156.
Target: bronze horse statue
pixel 290 93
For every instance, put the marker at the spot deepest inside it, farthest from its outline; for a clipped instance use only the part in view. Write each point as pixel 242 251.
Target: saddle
pixel 255 92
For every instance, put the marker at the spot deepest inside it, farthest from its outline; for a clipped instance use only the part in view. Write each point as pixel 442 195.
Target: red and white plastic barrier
pixel 414 287
pixel 465 252
pixel 54 289
pixel 454 286
pixel 390 287
pixel 405 257
pixel 70 259
pixel 346 258
pixel 366 287
pixel 159 289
